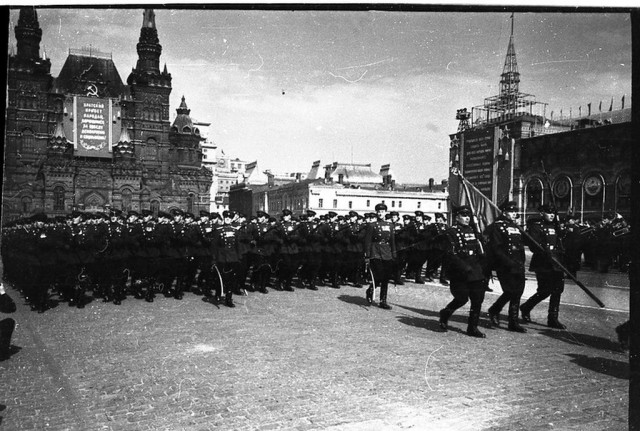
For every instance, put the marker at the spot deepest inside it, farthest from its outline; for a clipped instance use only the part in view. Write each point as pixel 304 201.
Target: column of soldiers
pixel 112 255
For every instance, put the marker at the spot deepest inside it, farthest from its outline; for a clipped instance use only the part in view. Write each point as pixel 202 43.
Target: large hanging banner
pixel 96 126
pixel 478 148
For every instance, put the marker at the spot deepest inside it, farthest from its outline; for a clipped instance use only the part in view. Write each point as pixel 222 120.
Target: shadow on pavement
pixel 610 367
pixel 357 300
pixel 582 339
pixel 432 322
pixel 2 408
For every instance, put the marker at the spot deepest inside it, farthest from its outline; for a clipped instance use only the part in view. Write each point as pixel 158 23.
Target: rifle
pixel 559 265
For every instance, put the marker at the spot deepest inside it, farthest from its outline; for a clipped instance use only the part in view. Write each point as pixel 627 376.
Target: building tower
pixel 147 113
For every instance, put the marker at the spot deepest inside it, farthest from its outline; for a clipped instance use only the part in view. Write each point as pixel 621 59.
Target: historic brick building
pixel 87 140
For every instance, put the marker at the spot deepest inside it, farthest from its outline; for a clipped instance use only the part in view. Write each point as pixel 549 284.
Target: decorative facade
pixel 511 148
pixel 86 140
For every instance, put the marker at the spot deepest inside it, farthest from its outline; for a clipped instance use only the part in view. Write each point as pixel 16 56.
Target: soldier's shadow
pixel 356 300
pixel 432 320
pixel 582 339
pixel 610 367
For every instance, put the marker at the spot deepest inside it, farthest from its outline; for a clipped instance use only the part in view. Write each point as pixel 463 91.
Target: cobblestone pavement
pixel 309 360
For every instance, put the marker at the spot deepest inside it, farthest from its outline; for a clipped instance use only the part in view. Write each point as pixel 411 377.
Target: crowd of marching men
pixel 112 255
pixel 115 254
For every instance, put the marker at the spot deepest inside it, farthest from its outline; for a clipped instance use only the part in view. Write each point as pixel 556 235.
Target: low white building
pixel 344 187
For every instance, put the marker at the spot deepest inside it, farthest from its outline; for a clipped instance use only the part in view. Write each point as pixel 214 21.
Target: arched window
pixel 58 198
pixel 623 192
pixel 593 195
pixel 155 207
pixel 28 141
pixel 25 203
pixel 190 200
pixel 563 192
pixel 533 194
pixel 126 200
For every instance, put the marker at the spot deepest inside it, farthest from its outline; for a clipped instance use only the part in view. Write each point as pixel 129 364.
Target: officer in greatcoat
pixel 380 252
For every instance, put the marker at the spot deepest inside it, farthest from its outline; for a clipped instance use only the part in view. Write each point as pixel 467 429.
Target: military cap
pixel 353 214
pixel 547 209
pixel 387 216
pixel 332 214
pixel 509 206
pixel 228 214
pixel 371 215
pixel 214 216
pixel 133 213
pixel 272 220
pixel 162 214
pixel 572 216
pixel 464 210
pixel 60 219
pixel 203 213
pixel 177 212
pixel 149 225
pixel 114 212
pixel 419 213
pixel 406 217
pixel 286 212
pixel 39 217
pixel 76 214
pixel 189 215
pixel 146 213
pixel 394 214
pixel 241 215
pixel 304 217
pixel 439 215
pixel 381 207
pixel 427 217
pixel 101 216
pixel 262 214
pixel 311 213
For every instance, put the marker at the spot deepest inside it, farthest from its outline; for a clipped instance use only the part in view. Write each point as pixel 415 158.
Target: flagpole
pixel 456 171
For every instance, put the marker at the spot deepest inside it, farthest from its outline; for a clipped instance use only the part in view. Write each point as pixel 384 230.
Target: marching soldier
pixel 550 277
pixel 379 252
pixel 290 237
pixel 312 251
pixel 464 262
pixel 506 250
pixel 434 251
pixel 227 260
pixel 418 252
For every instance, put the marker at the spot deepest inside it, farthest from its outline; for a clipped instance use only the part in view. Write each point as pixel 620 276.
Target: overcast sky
pixel 287 88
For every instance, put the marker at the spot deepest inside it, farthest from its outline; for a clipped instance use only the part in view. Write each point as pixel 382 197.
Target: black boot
pixel 370 295
pixel 445 314
pixel 472 325
pixel 228 300
pixel 525 309
pixel 554 308
pixel 514 325
pixel 496 308
pixel 6 330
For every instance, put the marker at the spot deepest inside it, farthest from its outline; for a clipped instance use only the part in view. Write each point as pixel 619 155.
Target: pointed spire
pixel 58 142
pixel 28 34
pixel 510 78
pixel 183 109
pixel 165 69
pixel 149 19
